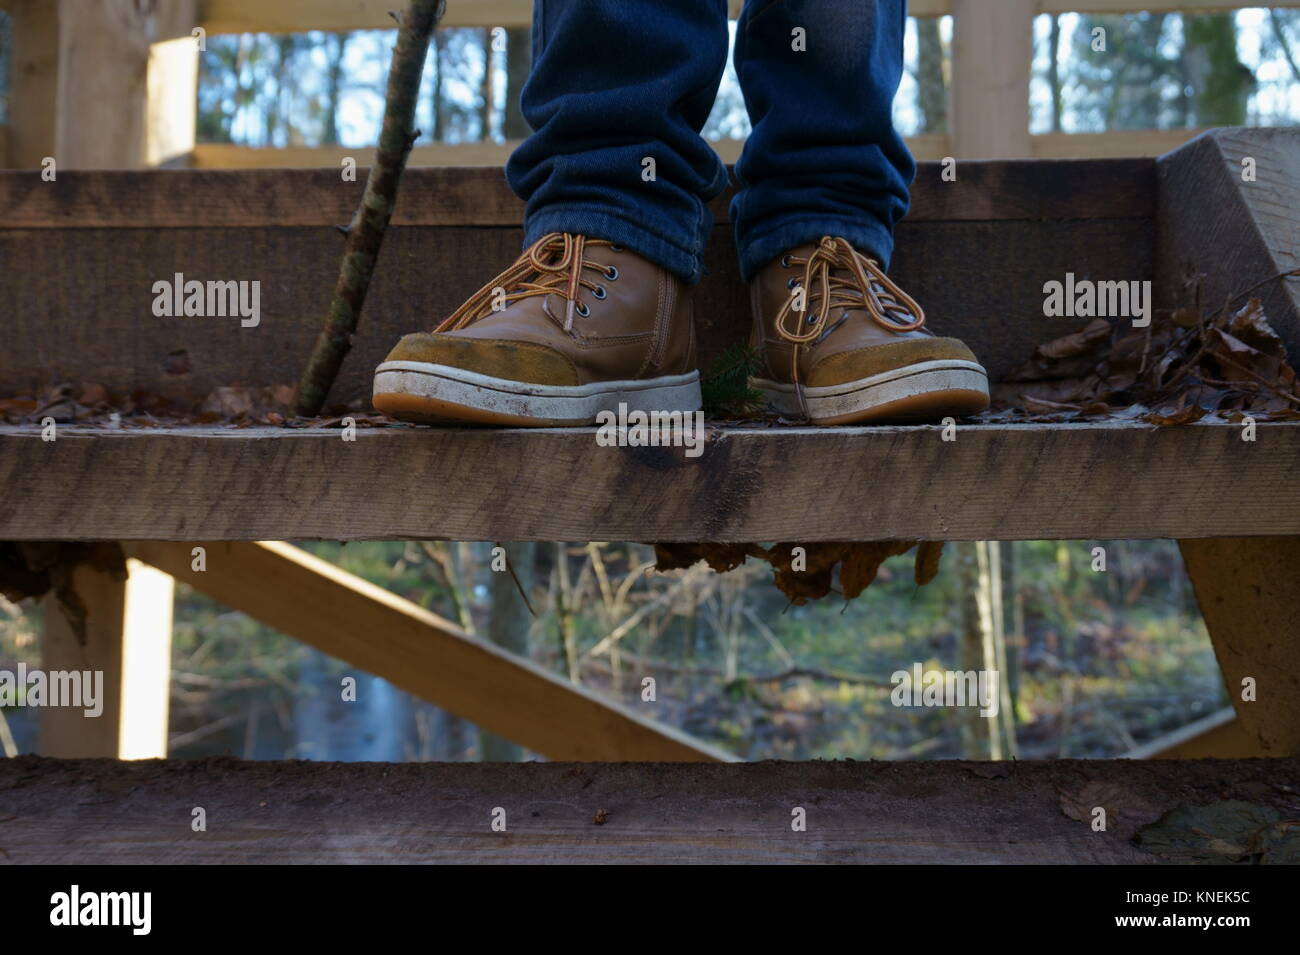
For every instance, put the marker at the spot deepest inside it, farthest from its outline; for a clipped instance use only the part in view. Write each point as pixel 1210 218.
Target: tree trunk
pixel 507 627
pixel 334 88
pixel 1221 83
pixel 932 91
pixel 519 62
pixel 974 735
pixel 1054 73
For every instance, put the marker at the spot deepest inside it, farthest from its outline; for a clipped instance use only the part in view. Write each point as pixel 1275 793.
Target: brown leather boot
pixel 575 327
pixel 841 344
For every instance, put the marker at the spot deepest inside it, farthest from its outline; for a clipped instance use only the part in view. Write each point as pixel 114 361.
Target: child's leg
pixel 597 312
pixel 825 178
pixel 824 157
pixel 616 83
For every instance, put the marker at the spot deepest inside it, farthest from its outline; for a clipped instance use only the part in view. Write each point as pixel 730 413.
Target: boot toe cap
pixel 858 363
pixel 523 361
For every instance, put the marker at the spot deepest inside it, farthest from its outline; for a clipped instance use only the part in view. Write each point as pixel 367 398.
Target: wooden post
pixel 1228 225
pixel 171 111
pixel 1249 592
pixel 34 81
pixel 992 52
pixel 93 89
pixel 127 646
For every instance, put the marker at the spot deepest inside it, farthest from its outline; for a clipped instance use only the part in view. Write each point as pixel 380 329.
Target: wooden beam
pixel 992 52
pixel 228 156
pixel 1249 592
pixel 420 652
pixel 73 56
pixel 1112 144
pixel 298 16
pixel 1224 235
pixel 975 252
pixel 1219 735
pixel 856 812
pixel 127 646
pixel 928 146
pixel 34 81
pixel 1067 481
pixel 173 85
pixel 996 191
pixel 103 59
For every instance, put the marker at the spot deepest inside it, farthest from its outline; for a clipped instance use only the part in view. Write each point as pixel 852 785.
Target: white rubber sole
pixel 422 391
pixel 918 391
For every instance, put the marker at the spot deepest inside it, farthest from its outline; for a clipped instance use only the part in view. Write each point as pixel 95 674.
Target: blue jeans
pixel 618 83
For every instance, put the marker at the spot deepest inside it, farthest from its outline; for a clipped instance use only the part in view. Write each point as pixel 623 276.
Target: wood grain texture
pixel 87 812
pixel 351 619
pixel 980 281
pixel 479 196
pixel 1249 592
pixel 1067 481
pixel 1225 236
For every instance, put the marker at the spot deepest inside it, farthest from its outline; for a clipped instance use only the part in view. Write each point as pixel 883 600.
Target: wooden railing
pixel 152 122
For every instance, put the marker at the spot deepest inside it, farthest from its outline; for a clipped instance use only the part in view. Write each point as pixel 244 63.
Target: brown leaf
pixel 928 554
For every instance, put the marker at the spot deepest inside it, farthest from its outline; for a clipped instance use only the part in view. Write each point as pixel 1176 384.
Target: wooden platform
pixel 1037 481
pixel 100 811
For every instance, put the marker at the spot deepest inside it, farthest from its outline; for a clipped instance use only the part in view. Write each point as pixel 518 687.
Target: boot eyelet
pixel 812 319
pixel 611 273
pixel 785 261
pixel 599 292
pixel 583 310
pixel 617 248
pixel 792 284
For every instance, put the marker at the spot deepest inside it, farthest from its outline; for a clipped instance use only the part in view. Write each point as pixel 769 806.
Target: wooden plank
pixel 1249 592
pixel 1067 481
pixel 34 81
pixel 420 652
pixel 979 280
pixel 1225 236
pixel 992 50
pixel 856 812
pixel 103 59
pixel 173 83
pixel 1111 144
pixel 1136 6
pixel 1114 143
pixel 288 16
pixel 167 199
pixel 1219 735
pixel 127 646
pixel 229 156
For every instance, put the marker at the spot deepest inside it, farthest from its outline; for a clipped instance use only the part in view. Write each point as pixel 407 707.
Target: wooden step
pixel 81 256
pixel 101 811
pixel 1034 481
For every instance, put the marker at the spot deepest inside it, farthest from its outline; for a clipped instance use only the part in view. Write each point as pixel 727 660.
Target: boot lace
pixel 553 265
pixel 838 276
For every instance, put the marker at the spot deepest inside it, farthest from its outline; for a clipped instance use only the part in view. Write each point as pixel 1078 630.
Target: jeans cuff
pixel 600 224
pixel 873 239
